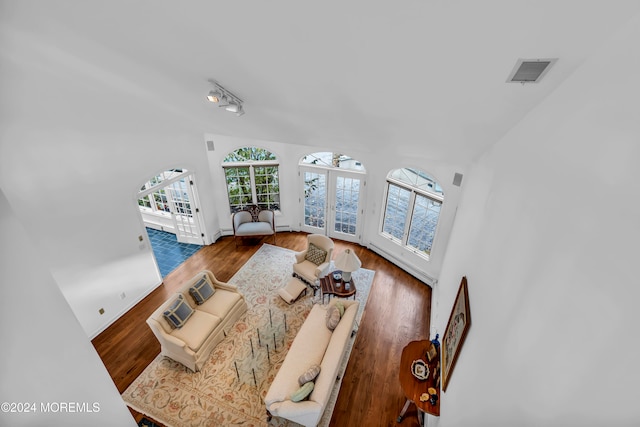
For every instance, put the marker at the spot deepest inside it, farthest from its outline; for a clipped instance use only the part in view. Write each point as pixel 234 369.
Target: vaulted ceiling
pixel 427 75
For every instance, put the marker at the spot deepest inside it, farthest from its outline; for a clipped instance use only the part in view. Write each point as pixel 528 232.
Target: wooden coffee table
pixel 330 286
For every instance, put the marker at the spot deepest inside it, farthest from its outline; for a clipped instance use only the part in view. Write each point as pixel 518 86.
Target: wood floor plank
pixel 397 312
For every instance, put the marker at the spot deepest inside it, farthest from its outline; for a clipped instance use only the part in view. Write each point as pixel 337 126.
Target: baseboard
pixel 123 311
pixel 409 268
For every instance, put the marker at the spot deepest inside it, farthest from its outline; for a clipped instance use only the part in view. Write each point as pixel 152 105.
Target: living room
pixel 550 264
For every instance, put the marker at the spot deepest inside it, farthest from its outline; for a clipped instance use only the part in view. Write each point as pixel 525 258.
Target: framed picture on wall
pixel 456 332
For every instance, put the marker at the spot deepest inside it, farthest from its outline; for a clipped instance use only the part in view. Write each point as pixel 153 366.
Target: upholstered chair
pixel 313 263
pixel 253 221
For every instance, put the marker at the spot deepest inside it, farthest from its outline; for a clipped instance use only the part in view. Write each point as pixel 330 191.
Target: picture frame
pixel 456 332
pixel 432 352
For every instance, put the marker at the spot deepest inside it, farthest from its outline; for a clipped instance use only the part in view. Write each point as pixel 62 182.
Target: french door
pixel 332 202
pixel 172 203
pixel 181 197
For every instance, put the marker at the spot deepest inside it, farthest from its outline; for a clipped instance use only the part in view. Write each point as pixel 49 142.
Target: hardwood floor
pixel 397 312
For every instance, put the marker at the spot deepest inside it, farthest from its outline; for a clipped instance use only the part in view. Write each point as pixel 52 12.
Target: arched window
pixel 412 209
pixel 252 178
pixel 332 160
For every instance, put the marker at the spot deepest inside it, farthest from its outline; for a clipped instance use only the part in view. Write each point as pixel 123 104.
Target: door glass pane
pixel 396 211
pixel 160 199
pixel 347 196
pixel 315 190
pixel 423 223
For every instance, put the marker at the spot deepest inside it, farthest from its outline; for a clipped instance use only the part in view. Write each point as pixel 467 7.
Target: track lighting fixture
pixel 221 96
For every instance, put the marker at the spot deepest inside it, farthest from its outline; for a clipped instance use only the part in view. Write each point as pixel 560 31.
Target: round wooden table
pixel 413 387
pixel 330 286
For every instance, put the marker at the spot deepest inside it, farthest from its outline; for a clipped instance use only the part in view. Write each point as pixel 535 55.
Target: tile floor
pixel 168 251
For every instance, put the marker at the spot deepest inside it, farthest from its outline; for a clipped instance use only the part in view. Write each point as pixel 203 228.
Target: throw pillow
pixel 315 254
pixel 302 392
pixel 178 313
pixel 309 375
pixel 202 290
pixel 333 317
pixel 340 306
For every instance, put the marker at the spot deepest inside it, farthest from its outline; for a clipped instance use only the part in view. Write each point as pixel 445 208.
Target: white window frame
pixel 414 192
pixel 251 164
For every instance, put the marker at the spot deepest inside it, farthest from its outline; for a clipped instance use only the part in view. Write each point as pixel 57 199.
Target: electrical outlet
pixel 101 311
pixel 123 295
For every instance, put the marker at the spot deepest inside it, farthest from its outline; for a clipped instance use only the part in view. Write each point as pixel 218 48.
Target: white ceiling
pixel 425 76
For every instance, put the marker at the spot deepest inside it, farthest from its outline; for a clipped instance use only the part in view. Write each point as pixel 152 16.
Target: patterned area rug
pixel 228 391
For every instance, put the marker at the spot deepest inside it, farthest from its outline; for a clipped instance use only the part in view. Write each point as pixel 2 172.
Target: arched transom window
pixel 412 209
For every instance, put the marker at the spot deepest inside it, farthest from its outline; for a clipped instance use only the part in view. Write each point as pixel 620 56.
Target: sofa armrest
pixel 175 344
pixel 300 256
pixel 240 217
pixel 321 269
pixel 266 215
pixel 226 286
pixel 165 339
pixel 307 412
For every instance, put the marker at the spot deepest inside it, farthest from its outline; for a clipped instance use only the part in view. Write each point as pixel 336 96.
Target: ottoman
pixel 292 290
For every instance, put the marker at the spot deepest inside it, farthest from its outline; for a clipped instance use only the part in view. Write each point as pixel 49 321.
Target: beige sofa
pixel 192 343
pixel 314 344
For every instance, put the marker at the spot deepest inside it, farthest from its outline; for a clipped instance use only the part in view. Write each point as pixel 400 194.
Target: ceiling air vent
pixel 530 70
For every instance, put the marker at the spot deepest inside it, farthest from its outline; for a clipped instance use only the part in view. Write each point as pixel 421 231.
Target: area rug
pixel 229 389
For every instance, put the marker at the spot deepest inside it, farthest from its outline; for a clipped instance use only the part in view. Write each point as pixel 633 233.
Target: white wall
pixel 547 234
pixel 377 165
pixel 81 133
pixel 78 140
pixel 46 358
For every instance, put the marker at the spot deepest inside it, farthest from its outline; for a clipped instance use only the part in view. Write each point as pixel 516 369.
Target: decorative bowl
pixel 420 369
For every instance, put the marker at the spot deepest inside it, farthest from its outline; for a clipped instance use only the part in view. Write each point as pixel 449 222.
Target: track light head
pixel 233 106
pixel 224 98
pixel 215 96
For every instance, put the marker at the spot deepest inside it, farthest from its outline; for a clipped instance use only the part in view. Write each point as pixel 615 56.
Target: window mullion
pixel 409 217
pixel 252 177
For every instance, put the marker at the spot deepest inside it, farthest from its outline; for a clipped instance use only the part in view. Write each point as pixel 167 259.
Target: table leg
pixel 422 418
pixel 404 410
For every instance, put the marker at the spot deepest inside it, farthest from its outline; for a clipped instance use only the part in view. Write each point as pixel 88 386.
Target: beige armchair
pixel 313 263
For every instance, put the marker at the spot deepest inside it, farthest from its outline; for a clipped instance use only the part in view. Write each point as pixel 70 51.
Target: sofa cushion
pixel 196 331
pixel 301 393
pixel 315 254
pixel 178 313
pixel 309 375
pixel 221 303
pixel 254 229
pixel 332 317
pixel 202 290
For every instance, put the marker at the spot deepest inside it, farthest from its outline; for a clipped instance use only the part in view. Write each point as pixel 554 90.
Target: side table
pixel 412 387
pixel 330 286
